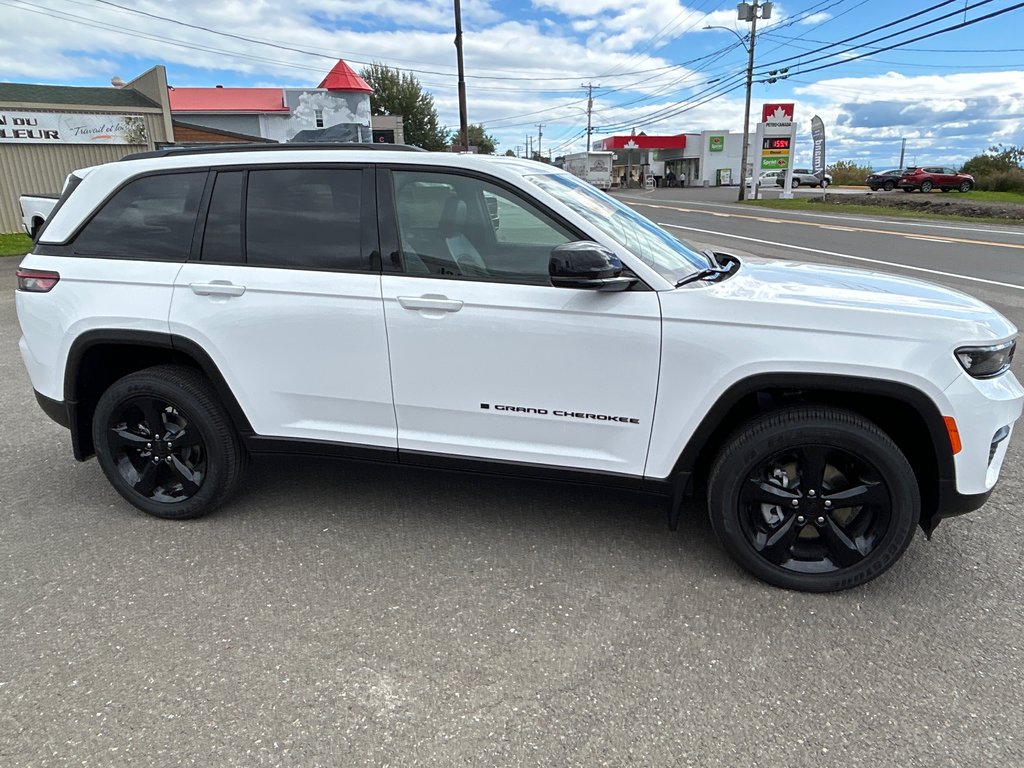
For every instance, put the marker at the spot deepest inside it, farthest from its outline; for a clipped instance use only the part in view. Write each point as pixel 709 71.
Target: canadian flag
pixel 778 113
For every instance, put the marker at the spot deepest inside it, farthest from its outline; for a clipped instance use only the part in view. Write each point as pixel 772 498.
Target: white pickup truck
pixel 35 209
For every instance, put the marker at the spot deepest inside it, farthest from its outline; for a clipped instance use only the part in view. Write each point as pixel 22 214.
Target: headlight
pixel 986 362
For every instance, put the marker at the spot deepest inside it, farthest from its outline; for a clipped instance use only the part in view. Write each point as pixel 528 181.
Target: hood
pixel 849 300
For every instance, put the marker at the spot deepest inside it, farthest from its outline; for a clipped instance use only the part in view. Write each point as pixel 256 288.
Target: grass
pixel 994 197
pixel 879 210
pixel 15 244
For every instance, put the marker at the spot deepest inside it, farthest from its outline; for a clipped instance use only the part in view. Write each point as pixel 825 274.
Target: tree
pixel 398 93
pixel 848 172
pixel 510 153
pixel 998 159
pixel 483 141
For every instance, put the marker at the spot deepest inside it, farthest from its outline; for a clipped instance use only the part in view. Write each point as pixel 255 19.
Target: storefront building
pixel 47 131
pixel 708 158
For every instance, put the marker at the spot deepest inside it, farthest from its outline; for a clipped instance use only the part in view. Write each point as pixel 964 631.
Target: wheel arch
pixel 100 357
pixel 903 412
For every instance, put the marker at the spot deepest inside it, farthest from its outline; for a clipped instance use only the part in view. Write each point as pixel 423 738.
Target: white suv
pixel 184 309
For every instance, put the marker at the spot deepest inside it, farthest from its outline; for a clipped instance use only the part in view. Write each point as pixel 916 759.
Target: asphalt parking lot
pixel 348 614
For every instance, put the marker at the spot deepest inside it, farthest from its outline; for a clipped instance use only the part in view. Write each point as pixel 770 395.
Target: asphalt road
pixel 345 614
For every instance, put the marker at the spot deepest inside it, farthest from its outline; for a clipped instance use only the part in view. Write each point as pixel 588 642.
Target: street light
pixel 748 12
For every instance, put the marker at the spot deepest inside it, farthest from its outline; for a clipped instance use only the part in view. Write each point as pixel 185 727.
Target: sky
pixel 653 65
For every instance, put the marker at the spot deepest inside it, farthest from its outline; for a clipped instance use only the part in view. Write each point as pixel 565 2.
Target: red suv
pixel 928 178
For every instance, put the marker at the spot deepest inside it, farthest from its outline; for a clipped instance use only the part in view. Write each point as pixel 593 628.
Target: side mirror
pixel 589 265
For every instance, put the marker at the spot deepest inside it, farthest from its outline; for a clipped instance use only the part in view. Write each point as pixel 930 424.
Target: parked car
pixel 767 178
pixel 35 210
pixel 931 177
pixel 887 180
pixel 805 177
pixel 184 309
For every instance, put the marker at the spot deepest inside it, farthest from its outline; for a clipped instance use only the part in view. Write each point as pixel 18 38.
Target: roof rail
pixel 214 149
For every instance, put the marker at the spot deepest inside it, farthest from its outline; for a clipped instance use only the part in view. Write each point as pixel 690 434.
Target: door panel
pixel 301 343
pixel 304 352
pixel 524 373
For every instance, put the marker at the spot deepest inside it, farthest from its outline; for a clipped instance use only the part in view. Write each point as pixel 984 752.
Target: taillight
pixel 37 280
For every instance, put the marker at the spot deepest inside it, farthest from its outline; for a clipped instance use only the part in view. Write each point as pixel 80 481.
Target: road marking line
pixel 848 256
pixel 929 238
pixel 908 223
pixel 950 240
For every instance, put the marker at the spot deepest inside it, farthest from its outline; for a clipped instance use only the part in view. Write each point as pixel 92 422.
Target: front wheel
pixel 813 498
pixel 965 187
pixel 166 443
pixel 796 182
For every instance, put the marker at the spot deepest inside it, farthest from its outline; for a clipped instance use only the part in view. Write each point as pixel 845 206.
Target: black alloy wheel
pixel 889 186
pixel 926 186
pixel 157 449
pixel 165 442
pixel 814 499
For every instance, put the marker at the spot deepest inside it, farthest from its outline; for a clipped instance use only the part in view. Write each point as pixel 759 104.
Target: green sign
pixel 717 143
pixel 775 163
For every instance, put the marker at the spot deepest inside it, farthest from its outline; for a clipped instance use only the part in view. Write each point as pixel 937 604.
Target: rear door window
pixel 305 218
pixel 151 218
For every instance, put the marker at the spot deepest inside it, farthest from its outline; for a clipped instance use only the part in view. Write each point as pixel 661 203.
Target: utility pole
pixel 748 12
pixel 540 135
pixel 463 120
pixel 590 107
pixel 903 152
pixel 519 151
pixel 529 146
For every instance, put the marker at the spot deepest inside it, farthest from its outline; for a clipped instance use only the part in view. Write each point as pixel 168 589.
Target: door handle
pixel 430 303
pixel 217 288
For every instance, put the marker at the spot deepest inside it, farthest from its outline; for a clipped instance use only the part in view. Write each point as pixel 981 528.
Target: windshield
pixel 640 236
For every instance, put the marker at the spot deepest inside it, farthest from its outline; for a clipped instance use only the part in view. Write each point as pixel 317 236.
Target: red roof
pixel 644 142
pixel 227 100
pixel 342 78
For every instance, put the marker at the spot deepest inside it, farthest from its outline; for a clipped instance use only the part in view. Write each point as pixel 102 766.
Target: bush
pixel 847 172
pixel 1001 181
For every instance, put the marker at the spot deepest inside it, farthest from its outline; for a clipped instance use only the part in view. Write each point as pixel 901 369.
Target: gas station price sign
pixel 775 146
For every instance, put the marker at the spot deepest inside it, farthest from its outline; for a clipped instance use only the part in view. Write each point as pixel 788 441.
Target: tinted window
pixel 222 240
pixel 305 218
pixel 149 218
pixel 461 227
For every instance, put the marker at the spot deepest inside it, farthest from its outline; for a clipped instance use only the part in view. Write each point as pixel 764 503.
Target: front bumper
pixel 985 411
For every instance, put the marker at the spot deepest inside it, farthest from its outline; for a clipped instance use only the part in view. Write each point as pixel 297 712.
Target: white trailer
pixel 593 167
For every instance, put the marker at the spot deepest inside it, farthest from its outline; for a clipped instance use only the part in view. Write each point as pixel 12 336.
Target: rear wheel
pixel 812 498
pixel 926 186
pixel 166 443
pixel 889 186
pixel 965 186
pixel 908 189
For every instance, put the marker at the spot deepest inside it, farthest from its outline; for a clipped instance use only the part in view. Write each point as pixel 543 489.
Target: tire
pixel 874 189
pixel 926 186
pixel 827 548
pixel 824 183
pixel 796 182
pixel 908 189
pixel 945 189
pixel 965 187
pixel 184 477
pixel 889 186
